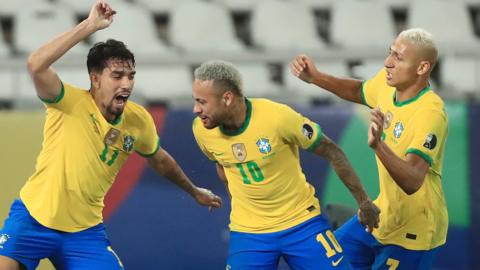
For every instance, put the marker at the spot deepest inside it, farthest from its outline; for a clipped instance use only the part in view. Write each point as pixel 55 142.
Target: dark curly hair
pixel 102 52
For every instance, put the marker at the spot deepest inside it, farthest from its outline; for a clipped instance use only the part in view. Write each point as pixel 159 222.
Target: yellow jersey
pixel 80 157
pixel 420 125
pixel 261 162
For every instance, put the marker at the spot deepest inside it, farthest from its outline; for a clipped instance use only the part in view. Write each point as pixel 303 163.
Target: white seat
pixel 38 23
pixel 163 6
pixel 318 4
pixel 352 23
pixel 25 95
pixel 6 91
pixel 367 69
pixel 257 81
pixel 77 76
pixel 134 26
pixel 453 33
pixel 239 6
pixel 84 6
pixel 198 26
pixel 4 50
pixel 311 91
pixel 11 7
pixel 460 75
pixel 164 84
pixel 285 26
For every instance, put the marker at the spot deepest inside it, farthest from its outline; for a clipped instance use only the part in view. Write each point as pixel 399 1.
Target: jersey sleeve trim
pixel 362 92
pixel 421 154
pixel 317 140
pixel 57 98
pixel 153 153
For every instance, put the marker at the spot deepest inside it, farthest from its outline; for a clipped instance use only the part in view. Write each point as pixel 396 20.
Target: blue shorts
pixel 25 240
pixel 307 246
pixel 365 252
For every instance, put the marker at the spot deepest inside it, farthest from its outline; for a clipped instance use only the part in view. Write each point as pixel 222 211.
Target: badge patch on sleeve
pixel 307 131
pixel 430 141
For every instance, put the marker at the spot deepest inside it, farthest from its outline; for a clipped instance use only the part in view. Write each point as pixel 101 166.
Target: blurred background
pixel 151 223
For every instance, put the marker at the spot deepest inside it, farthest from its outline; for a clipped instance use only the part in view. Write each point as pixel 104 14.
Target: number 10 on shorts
pixel 330 251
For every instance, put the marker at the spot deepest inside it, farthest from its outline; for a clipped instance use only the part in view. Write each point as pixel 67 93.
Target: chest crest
pixel 239 151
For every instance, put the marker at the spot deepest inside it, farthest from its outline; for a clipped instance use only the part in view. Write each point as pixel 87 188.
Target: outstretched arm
pixel 409 174
pixel 349 89
pixel 368 213
pixel 45 79
pixel 166 166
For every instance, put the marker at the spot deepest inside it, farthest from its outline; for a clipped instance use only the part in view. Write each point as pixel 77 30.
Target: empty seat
pixel 318 4
pixel 311 91
pixel 4 50
pixel 77 76
pixel 6 91
pixel 285 26
pixel 164 84
pixel 354 28
pixel 83 7
pixel 257 81
pixel 25 95
pixel 38 23
pixel 239 6
pixel 198 26
pixel 367 69
pixel 453 33
pixel 460 75
pixel 164 6
pixel 134 26
pixel 10 7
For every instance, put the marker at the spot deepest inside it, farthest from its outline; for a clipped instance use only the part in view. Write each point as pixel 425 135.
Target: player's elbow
pixel 413 187
pixel 32 64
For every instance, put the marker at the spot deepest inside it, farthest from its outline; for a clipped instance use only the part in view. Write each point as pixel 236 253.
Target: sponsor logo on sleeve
pixel 430 141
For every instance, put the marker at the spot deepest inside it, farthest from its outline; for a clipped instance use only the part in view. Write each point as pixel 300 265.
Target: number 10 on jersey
pixel 254 172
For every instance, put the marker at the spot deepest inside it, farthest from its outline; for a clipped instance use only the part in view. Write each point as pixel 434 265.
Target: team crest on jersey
pixel 128 143
pixel 264 146
pixel 397 131
pixel 3 239
pixel 239 151
pixel 111 136
pixel 388 120
pixel 430 141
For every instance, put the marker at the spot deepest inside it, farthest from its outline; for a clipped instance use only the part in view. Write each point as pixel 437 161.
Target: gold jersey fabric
pixel 80 157
pixel 420 125
pixel 261 161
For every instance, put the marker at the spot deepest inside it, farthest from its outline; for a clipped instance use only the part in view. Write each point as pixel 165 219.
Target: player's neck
pixel 238 115
pixel 407 93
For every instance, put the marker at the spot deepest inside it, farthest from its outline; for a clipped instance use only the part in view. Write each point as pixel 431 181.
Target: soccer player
pixel 255 144
pixel 407 133
pixel 88 136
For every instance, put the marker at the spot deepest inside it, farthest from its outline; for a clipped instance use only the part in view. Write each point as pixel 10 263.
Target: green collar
pixel 117 120
pixel 245 124
pixel 408 101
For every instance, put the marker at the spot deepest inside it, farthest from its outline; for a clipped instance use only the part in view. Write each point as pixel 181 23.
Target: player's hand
pixel 369 215
pixel 375 130
pixel 207 198
pixel 303 68
pixel 101 14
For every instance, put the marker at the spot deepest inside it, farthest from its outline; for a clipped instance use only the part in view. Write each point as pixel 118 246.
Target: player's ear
pixel 227 98
pixel 423 67
pixel 94 80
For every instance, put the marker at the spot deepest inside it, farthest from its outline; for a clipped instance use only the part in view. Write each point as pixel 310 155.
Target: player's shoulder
pixel 263 104
pixel 136 112
pixel 74 90
pixel 432 104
